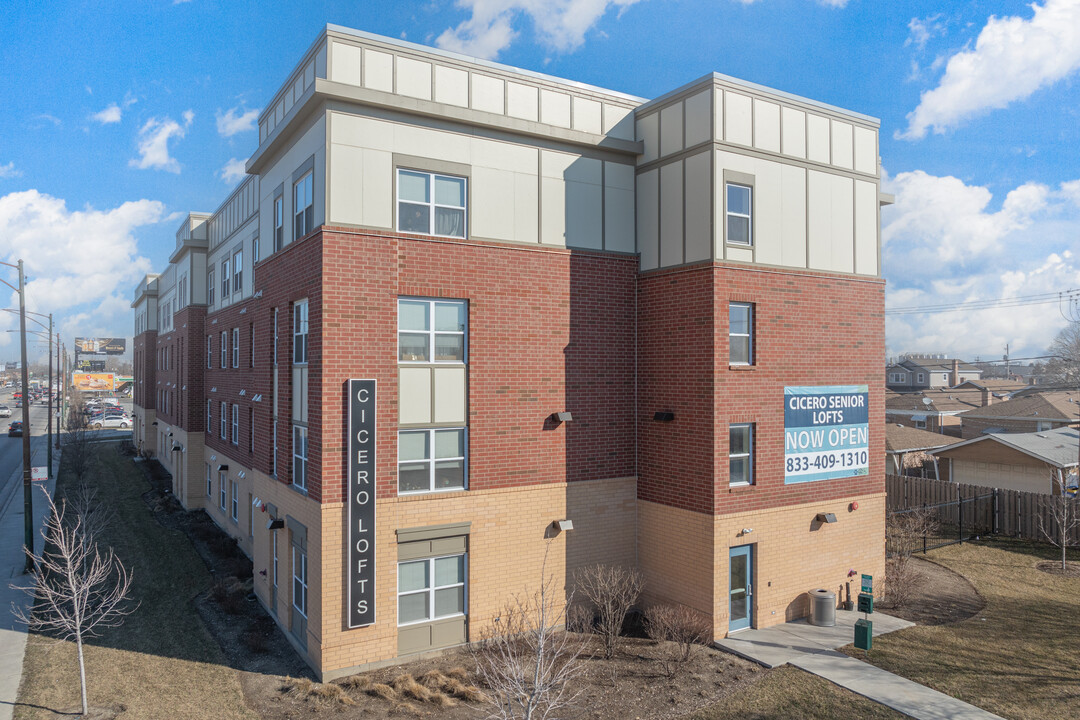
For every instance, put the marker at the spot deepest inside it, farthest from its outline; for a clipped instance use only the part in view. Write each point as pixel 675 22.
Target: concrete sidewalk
pixel 813 649
pixel 12 563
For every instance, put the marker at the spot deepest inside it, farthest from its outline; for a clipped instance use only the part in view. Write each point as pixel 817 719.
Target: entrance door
pixel 740 591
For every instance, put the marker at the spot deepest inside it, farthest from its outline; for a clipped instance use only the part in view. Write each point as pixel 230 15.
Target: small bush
pixel 239 568
pixel 305 689
pixel 406 686
pixel 255 638
pixel 681 628
pixel 452 686
pixel 612 590
pixel 356 682
pixel 384 691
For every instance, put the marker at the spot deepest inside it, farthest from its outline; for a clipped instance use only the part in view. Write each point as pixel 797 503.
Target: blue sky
pixel 121 116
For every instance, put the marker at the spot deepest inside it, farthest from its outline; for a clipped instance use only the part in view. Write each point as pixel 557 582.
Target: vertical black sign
pixel 360 589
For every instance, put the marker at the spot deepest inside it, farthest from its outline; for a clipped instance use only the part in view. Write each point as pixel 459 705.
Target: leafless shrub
pixel 356 682
pixel 526 660
pixel 383 691
pixel 306 689
pixel 79 589
pixel 1064 519
pixel 905 533
pixel 679 628
pixel 612 590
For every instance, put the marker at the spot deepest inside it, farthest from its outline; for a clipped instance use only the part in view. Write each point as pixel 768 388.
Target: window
pixel 234 502
pixel 896 377
pixel 273 536
pixel 235 424
pixel 225 279
pixel 300 457
pixel 251 430
pixel 303 207
pixel 431 331
pixel 251 516
pixel 224 418
pixel 221 490
pixel 209 351
pixel 255 249
pixel 431 460
pixel 300 332
pixel 279 222
pixel 741 454
pixel 920 423
pixel 224 348
pixel 922 377
pixel 251 345
pixel 299 578
pixel 209 415
pixel 238 271
pixel 740 334
pixel 210 285
pixel 739 225
pixel 236 347
pixel 431 589
pixel 1042 425
pixel 431 204
pixel 209 481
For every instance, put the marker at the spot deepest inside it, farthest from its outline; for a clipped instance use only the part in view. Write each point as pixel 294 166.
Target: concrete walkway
pixel 12 563
pixel 813 649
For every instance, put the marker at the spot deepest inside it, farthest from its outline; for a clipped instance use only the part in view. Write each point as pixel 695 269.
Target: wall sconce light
pixel 825 518
pixel 213 458
pixel 746 531
pixel 242 474
pixel 663 416
pixel 224 468
pixel 177 448
pixel 563 416
pixel 563 525
pixel 242 393
pixel 154 423
pixel 275 524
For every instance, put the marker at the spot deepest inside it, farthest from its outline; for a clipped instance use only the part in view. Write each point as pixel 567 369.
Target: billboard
pixel 826 432
pixel 100 346
pixel 91 366
pixel 94 382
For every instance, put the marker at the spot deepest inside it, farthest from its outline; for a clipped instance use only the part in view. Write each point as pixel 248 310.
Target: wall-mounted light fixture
pixel 825 518
pixel 561 417
pixel 243 311
pixel 177 447
pixel 242 393
pixel 746 531
pixel 275 524
pixel 663 416
pixel 154 423
pixel 223 468
pixel 563 525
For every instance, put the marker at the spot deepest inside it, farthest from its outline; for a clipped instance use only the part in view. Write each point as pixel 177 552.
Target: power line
pixel 1071 295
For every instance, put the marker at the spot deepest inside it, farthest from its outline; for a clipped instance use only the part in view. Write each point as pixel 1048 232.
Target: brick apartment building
pixel 455 305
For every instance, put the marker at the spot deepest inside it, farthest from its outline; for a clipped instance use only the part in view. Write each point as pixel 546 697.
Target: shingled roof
pixel 1060 405
pixel 900 438
pixel 1056 447
pixel 947 400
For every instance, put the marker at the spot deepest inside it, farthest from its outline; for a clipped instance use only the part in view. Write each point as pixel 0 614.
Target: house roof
pixel 900 438
pixel 994 385
pixel 1060 405
pixel 942 400
pixel 940 364
pixel 1056 447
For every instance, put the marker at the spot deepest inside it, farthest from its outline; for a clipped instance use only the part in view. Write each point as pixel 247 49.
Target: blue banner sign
pixel 826 432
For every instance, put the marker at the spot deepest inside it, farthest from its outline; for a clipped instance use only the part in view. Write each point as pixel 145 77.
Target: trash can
pixel 822 607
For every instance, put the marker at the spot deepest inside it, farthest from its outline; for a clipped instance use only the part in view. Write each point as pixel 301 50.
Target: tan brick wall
pixel 793 554
pixel 190 485
pixel 675 554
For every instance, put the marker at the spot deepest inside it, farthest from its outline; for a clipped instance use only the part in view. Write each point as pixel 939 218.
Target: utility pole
pixel 28 494
pixel 1008 374
pixel 59 399
pixel 48 393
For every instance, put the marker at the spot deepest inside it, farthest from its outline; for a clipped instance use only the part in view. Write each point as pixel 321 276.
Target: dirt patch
pixel 1071 570
pixel 938 596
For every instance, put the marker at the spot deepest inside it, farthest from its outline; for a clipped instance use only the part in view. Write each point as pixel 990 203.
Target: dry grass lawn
pixel 1020 656
pixel 161 662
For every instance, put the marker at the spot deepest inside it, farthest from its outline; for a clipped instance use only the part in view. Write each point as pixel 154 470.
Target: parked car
pixel 5 411
pixel 111 421
pixel 15 429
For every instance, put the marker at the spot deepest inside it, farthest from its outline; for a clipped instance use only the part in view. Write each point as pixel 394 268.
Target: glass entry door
pixel 740 590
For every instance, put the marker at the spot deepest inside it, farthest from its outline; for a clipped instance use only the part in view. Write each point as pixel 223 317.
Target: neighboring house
pixel 998 388
pixel 1032 462
pixel 916 373
pixel 1033 412
pixel 939 415
pixel 907 451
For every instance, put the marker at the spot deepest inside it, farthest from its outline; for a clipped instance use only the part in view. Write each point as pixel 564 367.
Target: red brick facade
pixel 144 348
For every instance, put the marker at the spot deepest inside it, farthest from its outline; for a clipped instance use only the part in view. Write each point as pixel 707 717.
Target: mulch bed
pixel 1053 567
pixel 939 596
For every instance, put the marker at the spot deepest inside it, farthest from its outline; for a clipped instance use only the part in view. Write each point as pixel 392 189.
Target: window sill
pixel 431 494
pixel 299 490
pixel 741 487
pixel 742 368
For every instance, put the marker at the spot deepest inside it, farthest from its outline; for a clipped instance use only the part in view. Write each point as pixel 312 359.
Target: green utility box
pixel 866 603
pixel 864 634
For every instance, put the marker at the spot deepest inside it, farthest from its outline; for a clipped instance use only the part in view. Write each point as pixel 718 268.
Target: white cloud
pixel 236 121
pixel 111 114
pixel 233 171
pixel 154 143
pixel 9 171
pixel 1012 58
pixel 922 30
pixel 943 242
pixel 559 24
pixel 74 257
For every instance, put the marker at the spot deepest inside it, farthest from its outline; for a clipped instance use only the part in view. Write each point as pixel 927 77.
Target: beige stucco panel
pixel 866 228
pixel 648 132
pixel 488 94
pixel 842 149
pixel 345 63
pixel 587 115
pixel 522 101
pixel 698 114
pixel 414 395
pixel 865 150
pixel 648 220
pixel 671 129
pixel 449 396
pixel 766 126
pixel 817 138
pixel 451 86
pixel 671 214
pixel 554 108
pixel 378 70
pixel 794 132
pixel 698 208
pixel 738 119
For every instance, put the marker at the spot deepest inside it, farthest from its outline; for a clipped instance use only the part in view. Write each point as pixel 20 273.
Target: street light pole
pixel 59 399
pixel 48 392
pixel 28 496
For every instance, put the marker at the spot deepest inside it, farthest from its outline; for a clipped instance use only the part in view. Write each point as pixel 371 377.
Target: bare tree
pixel 680 627
pixel 612 590
pixel 77 450
pixel 905 533
pixel 528 659
pixel 79 590
pixel 1063 367
pixel 1065 516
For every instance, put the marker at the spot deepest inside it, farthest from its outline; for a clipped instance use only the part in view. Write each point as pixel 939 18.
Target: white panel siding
pixel 451 86
pixel 346 185
pixel 345 63
pixel 865 150
pixel 738 119
pixel 378 193
pixel 619 207
pixel 494 217
pixel 647 220
pixel 487 94
pixel 671 214
pixel 527 207
pixel 698 109
pixel 866 228
pixel 819 214
pixel 817 142
pixel 698 193
pixel 449 395
pixel 793 218
pixel 648 132
pixel 843 224
pixel 555 108
pixel 414 391
pixel 553 167
pixel 768 212
pixel 413 78
pixel 831 222
pixel 794 132
pixel 841 144
pixel 618 121
pixel 587 116
pixel 766 126
pixel 522 101
pixel 671 129
pixel 378 70
pixel 718 114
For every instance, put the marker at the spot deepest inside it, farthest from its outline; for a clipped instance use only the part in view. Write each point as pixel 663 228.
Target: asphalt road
pixel 11 447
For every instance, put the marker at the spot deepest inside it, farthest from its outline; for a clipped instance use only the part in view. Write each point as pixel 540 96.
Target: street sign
pixel 39 474
pixel 868 583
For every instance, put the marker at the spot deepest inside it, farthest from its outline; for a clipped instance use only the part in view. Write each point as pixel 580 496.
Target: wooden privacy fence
pixel 979 510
